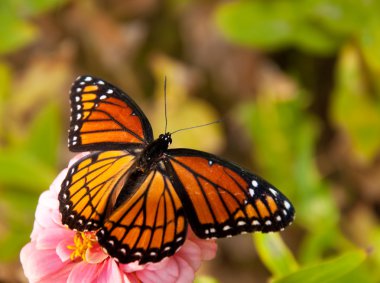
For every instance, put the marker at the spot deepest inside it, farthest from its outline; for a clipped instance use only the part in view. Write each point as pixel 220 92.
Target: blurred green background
pixel 295 82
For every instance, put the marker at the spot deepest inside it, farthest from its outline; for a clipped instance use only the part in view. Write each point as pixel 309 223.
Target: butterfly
pixel 139 196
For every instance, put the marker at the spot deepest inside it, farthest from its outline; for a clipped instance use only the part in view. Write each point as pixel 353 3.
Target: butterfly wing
pixel 88 191
pixel 221 199
pixel 104 118
pixel 148 226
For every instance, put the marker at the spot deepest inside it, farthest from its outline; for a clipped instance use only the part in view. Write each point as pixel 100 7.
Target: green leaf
pixel 25 171
pixel 272 25
pixel 354 109
pixel 44 136
pixel 36 7
pixel 327 271
pixel 16 220
pixel 15 33
pixel 268 25
pixel 5 83
pixel 275 254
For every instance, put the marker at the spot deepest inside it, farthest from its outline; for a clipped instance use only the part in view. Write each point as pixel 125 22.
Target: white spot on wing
pixel 255 183
pixel 287 204
pixel 268 222
pixel 109 91
pixel 273 192
pixel 225 228
pixel 103 97
pixel 255 222
pixel 88 79
pixel 251 192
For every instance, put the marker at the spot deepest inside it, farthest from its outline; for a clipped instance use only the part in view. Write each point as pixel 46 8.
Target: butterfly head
pixel 166 138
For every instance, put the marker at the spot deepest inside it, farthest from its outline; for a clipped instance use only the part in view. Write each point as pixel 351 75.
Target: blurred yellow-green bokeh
pixel 296 84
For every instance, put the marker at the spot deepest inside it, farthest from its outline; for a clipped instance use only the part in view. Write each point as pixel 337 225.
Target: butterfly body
pixel 153 153
pixel 148 160
pixel 140 196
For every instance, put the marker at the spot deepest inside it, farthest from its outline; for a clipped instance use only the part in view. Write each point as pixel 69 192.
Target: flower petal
pixel 110 272
pixel 83 272
pixel 51 237
pixel 62 251
pixel 39 263
pixel 191 253
pixel 96 254
pixel 208 247
pixel 168 274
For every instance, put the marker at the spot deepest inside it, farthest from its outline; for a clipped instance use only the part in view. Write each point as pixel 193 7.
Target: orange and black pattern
pixel 86 192
pixel 103 117
pixel 151 225
pixel 139 196
pixel 223 200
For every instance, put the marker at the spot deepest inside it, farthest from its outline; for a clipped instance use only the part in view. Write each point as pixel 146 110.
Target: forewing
pixel 104 118
pixel 148 226
pixel 91 184
pixel 221 199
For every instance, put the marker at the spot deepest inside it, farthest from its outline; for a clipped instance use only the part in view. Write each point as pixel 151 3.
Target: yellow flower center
pixel 82 242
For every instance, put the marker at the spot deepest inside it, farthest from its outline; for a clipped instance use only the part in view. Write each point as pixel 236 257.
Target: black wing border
pixel 189 209
pixel 117 93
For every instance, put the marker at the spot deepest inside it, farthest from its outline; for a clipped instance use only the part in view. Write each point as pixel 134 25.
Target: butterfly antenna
pixel 166 116
pixel 199 126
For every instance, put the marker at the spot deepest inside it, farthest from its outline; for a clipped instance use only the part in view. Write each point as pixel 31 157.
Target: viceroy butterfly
pixel 139 196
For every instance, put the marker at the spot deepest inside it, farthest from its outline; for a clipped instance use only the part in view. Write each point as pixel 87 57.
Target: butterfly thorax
pixel 154 151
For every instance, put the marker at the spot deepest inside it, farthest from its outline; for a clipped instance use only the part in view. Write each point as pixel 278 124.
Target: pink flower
pixel 57 254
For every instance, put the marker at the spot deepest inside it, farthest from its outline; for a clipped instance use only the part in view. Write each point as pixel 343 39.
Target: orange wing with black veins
pixel 221 199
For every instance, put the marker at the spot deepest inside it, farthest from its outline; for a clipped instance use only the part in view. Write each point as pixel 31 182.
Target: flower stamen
pixel 82 242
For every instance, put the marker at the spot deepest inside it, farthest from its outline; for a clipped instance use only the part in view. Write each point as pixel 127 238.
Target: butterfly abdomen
pixel 148 161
